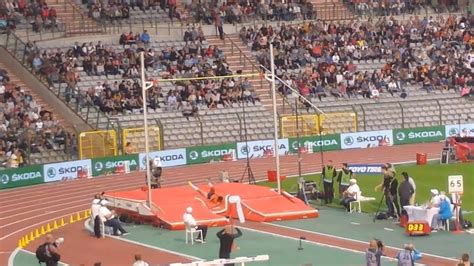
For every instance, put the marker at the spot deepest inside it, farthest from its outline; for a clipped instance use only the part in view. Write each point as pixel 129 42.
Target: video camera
pixel 380 244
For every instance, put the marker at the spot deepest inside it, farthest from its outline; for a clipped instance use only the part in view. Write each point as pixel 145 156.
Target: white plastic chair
pixel 190 231
pixel 354 206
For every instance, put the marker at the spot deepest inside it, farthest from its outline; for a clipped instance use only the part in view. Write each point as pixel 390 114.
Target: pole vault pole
pixel 145 127
pixel 275 119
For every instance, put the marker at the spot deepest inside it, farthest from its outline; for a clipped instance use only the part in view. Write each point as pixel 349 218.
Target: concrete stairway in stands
pixel 331 10
pixel 46 156
pixel 235 59
pixel 76 20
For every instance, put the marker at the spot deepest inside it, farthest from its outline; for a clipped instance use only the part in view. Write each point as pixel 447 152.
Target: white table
pixel 421 213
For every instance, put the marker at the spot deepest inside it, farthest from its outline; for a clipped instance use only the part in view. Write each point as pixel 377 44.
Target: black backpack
pixel 42 254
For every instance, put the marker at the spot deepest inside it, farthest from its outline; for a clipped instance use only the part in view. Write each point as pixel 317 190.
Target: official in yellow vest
pixel 328 174
pixel 343 178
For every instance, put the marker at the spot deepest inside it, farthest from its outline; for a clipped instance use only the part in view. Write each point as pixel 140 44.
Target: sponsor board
pixel 24 176
pixel 256 148
pixel 366 139
pixel 204 154
pixel 467 130
pixel 418 135
pixel 365 168
pixel 105 165
pixel 326 143
pixel 65 170
pixel 167 157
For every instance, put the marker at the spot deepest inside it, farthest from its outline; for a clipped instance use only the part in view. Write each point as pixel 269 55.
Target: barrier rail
pixel 37 174
pixel 239 260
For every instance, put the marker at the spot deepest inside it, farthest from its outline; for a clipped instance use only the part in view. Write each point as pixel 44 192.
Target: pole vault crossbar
pixel 210 77
pixel 269 73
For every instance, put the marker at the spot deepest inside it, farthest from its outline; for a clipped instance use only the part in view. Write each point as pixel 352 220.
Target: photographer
pixel 390 187
pixel 374 252
pixel 48 252
pixel 408 255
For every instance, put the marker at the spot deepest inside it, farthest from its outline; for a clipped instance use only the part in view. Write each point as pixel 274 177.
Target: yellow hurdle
pixel 37 233
pixel 71 219
pixel 89 212
pixel 86 213
pixel 43 232
pixel 32 236
pixel 27 240
pixel 78 216
pixel 20 244
pixel 23 241
pixel 55 225
pixel 62 222
pixel 48 228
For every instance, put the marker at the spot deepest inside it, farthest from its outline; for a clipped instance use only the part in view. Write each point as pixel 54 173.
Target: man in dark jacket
pixel 226 237
pixel 405 190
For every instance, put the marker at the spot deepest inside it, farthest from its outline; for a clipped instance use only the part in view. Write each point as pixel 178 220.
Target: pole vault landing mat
pixel 258 203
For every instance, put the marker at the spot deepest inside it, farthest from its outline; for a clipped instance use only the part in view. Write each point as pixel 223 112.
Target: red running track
pixel 23 209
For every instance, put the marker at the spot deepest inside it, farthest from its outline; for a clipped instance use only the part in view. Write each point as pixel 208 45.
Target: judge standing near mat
pixel 328 174
pixel 156 171
pixel 227 245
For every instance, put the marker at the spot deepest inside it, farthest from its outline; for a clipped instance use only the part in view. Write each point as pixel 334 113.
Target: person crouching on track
pixel 48 252
pixel 352 193
pixel 328 174
pixel 190 222
pixel 343 178
pixel 109 219
pixel 156 171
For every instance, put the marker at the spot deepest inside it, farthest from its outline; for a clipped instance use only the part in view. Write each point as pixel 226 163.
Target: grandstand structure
pixel 226 124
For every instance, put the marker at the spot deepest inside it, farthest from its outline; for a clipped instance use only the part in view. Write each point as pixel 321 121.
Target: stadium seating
pixel 38 143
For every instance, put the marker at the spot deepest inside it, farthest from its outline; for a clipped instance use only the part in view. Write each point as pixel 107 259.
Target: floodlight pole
pixel 145 87
pixel 275 119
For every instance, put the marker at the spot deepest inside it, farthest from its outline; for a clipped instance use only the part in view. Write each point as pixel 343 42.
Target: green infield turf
pixel 426 178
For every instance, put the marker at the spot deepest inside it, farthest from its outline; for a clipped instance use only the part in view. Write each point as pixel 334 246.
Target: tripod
pixel 378 208
pixel 248 168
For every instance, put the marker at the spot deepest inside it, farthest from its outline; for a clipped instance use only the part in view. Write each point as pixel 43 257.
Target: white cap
pixel 189 210
pixel 104 202
pixel 434 191
pixel 353 181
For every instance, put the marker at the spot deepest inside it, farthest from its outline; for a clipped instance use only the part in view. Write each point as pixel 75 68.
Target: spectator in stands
pixel 129 148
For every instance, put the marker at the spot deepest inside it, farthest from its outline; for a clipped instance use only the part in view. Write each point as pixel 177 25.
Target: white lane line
pixel 157 248
pixel 354 223
pixel 38 223
pixel 309 241
pixel 387 229
pixel 11 259
pixel 350 239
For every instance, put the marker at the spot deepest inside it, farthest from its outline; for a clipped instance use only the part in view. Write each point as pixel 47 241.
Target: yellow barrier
pixel 338 122
pixel 101 143
pixel 310 125
pixel 136 137
pixel 46 228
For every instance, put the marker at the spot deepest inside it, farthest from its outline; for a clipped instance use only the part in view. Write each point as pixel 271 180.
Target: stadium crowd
pixel 434 52
pixel 402 7
pixel 194 59
pixel 37 13
pixel 25 127
pixel 204 11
